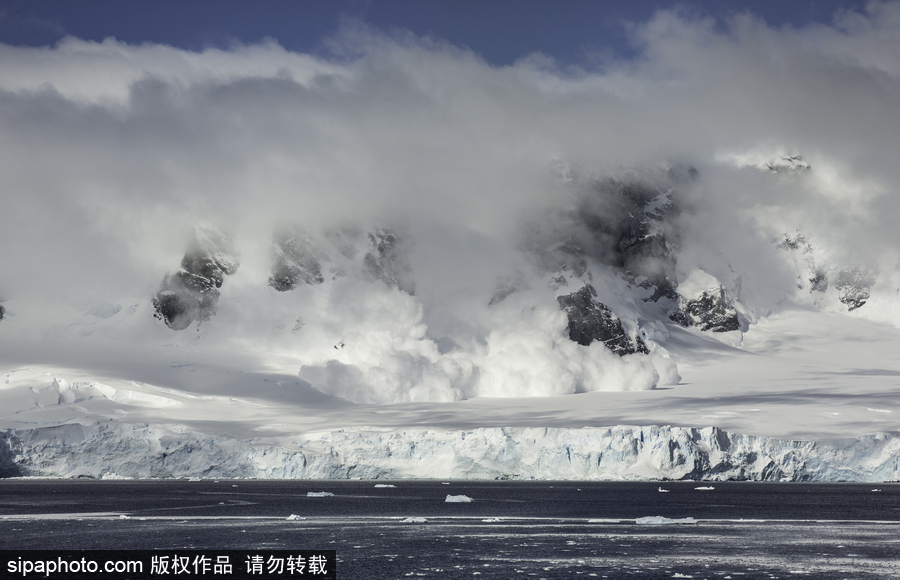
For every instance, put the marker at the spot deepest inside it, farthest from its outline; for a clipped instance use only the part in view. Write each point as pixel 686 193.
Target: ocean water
pixel 509 530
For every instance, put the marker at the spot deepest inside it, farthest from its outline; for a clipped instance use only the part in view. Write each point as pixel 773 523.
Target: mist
pixel 111 154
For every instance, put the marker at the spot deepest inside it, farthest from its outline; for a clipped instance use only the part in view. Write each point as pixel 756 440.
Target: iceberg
pixel 458 499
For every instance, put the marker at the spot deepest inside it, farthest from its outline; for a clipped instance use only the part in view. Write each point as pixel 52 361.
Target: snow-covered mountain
pixel 251 244
pixel 610 290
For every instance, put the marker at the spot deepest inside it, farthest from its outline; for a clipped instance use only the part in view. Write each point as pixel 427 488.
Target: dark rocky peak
pixel 590 320
pixel 853 286
pixel 703 302
pixel 626 224
pixel 211 244
pixel 192 292
pixel 638 228
pixel 387 260
pixel 2 311
pixel 295 259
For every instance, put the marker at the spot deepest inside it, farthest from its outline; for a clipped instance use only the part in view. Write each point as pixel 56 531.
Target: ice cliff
pixel 110 449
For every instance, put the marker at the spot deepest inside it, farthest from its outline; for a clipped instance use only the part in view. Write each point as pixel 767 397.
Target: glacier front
pixel 115 450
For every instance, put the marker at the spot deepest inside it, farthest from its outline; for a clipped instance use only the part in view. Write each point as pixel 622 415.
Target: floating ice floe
pixel 384 485
pixel 491 520
pixel 319 494
pixel 458 499
pixel 661 490
pixel 709 488
pixel 294 517
pixel 413 521
pixel 659 521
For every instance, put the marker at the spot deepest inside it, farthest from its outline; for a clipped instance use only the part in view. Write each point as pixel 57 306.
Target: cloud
pixel 110 153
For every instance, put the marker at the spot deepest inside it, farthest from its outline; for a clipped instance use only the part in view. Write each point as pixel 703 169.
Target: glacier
pixel 110 449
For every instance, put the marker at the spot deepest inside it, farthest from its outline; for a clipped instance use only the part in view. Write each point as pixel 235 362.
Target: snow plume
pixel 112 153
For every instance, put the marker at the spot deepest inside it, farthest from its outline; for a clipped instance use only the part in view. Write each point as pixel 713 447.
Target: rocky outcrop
pixel 294 260
pixel 712 310
pixel 386 260
pixel 191 294
pixel 853 286
pixel 787 164
pixel 591 321
pixel 818 281
pixel 2 311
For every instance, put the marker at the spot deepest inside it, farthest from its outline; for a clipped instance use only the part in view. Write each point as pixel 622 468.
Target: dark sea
pixel 537 530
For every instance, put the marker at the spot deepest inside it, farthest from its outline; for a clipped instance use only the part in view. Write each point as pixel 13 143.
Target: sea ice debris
pixel 659 521
pixel 319 494
pixel 458 499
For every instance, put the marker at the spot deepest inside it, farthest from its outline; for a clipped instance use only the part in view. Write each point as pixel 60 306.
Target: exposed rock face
pixel 2 311
pixel 853 286
pixel 386 260
pixel 294 260
pixel 590 320
pixel 192 293
pixel 623 224
pixel 789 164
pixel 712 310
pixel 818 282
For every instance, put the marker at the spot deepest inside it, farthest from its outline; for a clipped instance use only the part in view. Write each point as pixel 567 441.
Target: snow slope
pixel 821 407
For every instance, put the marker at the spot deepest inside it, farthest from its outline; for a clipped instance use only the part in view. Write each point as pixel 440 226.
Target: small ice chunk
pixel 661 490
pixel 876 490
pixel 384 485
pixel 660 521
pixel 709 488
pixel 458 499
pixel 294 517
pixel 491 520
pixel 193 479
pixel 320 494
pixel 445 483
pixel 413 521
pixel 124 517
